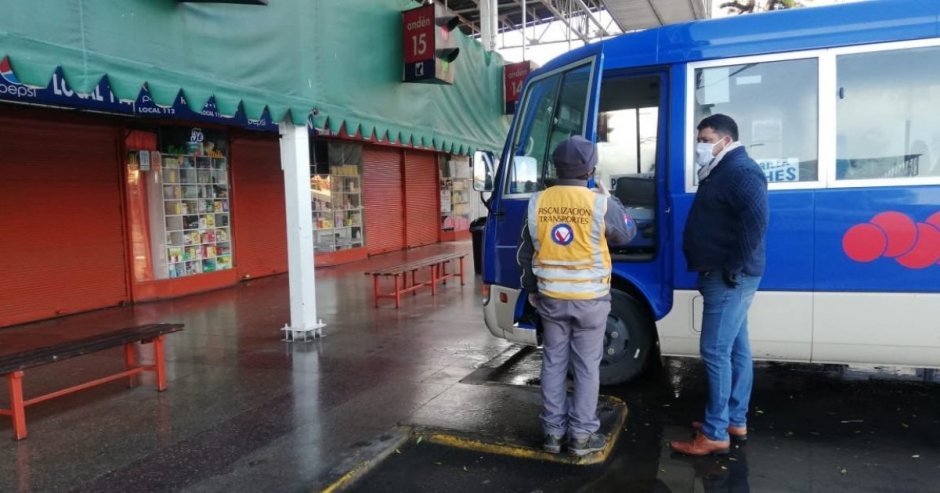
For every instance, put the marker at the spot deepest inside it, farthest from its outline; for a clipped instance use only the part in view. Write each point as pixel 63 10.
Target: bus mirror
pixel 483 171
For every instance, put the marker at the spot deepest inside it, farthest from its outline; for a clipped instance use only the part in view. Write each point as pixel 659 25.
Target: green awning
pixel 338 63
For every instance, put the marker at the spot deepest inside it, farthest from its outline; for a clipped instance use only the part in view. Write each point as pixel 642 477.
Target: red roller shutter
pixel 62 248
pixel 258 218
pixel 422 212
pixel 382 191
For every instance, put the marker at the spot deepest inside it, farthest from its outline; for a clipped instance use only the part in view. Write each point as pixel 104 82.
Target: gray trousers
pixel 573 336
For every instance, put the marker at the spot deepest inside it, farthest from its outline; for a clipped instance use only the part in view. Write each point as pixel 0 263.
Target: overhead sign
pixel 428 44
pixel 514 75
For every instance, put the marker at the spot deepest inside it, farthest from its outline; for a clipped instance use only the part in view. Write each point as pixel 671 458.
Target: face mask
pixel 703 153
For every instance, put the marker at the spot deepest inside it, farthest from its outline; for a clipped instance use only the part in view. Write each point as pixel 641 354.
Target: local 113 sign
pixel 418 29
pixel 514 75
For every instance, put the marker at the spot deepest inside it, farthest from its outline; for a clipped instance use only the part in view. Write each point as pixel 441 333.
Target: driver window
pixel 553 110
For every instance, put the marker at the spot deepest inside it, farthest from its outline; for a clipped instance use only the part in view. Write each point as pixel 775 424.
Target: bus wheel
pixel 628 340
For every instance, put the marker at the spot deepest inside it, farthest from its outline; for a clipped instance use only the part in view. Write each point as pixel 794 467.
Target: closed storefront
pixel 384 199
pixel 61 222
pixel 260 228
pixel 422 211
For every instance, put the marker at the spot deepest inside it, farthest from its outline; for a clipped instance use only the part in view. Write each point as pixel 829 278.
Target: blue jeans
pixel 726 351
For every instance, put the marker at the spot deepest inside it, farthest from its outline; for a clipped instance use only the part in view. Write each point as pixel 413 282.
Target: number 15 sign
pixel 418 29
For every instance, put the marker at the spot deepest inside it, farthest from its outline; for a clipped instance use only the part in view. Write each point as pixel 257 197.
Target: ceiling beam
pixel 548 4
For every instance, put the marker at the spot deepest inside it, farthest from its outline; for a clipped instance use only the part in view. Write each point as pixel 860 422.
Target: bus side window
pixel 887 114
pixel 775 105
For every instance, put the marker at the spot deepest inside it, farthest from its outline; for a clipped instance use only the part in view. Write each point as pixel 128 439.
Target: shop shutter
pixel 422 211
pixel 258 219
pixel 383 202
pixel 62 248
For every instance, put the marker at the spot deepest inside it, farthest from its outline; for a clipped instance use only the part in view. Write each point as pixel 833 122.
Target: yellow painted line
pixel 523 452
pixel 364 467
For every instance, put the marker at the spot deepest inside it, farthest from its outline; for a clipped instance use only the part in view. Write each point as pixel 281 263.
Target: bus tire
pixel 628 340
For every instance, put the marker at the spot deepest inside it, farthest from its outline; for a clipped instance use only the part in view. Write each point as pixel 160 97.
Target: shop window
pixel 887 125
pixel 455 192
pixel 186 185
pixel 776 107
pixel 336 192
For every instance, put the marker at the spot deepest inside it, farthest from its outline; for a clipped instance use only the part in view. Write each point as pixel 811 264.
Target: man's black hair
pixel 721 124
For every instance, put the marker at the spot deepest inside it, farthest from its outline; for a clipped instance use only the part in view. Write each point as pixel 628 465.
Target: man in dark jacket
pixel 724 242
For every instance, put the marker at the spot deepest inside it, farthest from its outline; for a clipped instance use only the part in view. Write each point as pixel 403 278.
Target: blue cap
pixel 574 157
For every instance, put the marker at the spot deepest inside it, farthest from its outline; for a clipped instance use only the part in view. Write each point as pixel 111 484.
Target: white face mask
pixel 703 153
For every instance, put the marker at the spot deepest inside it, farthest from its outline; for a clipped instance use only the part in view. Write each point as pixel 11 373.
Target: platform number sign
pixel 428 46
pixel 514 75
pixel 418 27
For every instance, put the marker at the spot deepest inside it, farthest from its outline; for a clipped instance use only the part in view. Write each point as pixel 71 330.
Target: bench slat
pixel 415 264
pixel 22 350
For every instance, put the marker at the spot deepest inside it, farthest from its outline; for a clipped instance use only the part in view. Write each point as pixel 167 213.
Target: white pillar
pixel 295 161
pixel 489 24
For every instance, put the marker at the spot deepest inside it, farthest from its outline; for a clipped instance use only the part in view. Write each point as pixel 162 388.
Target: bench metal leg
pixel 375 289
pixel 461 271
pixel 433 279
pixel 130 362
pixel 414 282
pixel 159 362
pixel 17 404
pixel 443 272
pixel 397 290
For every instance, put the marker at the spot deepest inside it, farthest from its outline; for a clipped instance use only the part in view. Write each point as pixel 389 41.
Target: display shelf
pixel 195 215
pixel 337 209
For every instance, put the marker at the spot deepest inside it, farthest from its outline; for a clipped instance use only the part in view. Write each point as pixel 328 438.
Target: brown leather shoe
pixel 701 445
pixel 737 433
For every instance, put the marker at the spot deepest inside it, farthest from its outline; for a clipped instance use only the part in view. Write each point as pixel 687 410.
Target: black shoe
pixel 552 444
pixel 595 442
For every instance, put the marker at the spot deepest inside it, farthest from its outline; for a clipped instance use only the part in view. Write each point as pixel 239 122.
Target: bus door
pixel 556 105
pixel 632 159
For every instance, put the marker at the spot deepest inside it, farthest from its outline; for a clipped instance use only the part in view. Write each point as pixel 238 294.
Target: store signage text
pixel 60 94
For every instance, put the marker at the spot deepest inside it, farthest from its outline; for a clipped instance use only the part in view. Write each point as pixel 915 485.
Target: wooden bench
pixel 25 348
pixel 401 273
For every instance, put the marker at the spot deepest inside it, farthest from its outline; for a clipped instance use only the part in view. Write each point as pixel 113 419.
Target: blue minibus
pixel 839 105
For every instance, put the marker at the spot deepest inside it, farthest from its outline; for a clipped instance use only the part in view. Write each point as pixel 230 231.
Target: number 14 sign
pixel 418 29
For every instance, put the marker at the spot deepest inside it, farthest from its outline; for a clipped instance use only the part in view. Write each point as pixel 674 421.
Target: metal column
pixel 295 161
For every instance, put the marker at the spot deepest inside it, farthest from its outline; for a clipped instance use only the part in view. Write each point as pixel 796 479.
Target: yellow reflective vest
pixel 571 261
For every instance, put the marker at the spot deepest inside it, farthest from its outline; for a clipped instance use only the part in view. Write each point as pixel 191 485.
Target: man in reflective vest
pixel 565 264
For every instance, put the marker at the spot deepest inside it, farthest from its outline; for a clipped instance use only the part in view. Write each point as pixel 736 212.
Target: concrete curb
pixel 356 467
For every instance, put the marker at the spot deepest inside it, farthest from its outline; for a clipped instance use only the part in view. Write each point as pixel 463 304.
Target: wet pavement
pixel 814 428
pixel 247 412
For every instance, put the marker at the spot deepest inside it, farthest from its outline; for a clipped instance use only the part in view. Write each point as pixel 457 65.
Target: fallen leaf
pixel 419 440
pixel 732 459
pixel 438 463
pixel 397 451
pixel 847 421
pixel 465 469
pixel 789 433
pixel 724 468
pixel 844 471
pixel 905 425
pixel 916 456
pixel 760 412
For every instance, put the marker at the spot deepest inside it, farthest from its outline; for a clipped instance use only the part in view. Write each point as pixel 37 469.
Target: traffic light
pixel 429 48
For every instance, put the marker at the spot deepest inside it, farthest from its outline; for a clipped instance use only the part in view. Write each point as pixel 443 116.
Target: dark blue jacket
pixel 727 224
